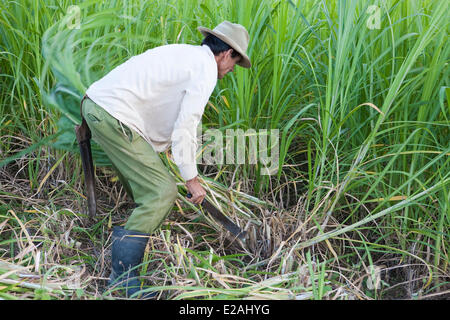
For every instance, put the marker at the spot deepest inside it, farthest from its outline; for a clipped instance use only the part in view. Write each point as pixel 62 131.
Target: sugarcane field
pixel 224 150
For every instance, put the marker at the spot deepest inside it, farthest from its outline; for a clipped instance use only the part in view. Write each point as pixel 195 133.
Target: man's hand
pixel 197 191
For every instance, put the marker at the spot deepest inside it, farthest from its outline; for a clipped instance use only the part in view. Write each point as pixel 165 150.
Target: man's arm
pixel 184 136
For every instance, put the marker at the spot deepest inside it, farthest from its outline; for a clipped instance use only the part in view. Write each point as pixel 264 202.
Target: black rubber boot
pixel 127 252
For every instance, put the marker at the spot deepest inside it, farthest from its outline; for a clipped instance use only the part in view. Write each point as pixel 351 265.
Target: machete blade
pixel 88 167
pixel 223 220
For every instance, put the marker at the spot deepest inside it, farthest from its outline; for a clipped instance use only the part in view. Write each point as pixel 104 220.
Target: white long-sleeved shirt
pixel 161 94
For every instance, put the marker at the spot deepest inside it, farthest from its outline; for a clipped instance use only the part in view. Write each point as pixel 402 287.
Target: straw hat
pixel 233 34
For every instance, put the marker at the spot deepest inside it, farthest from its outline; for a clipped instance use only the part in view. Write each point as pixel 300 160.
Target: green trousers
pixel 142 173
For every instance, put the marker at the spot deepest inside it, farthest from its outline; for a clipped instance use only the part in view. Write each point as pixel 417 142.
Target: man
pixel 142 106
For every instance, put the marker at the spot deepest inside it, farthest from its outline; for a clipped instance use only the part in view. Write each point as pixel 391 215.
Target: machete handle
pixel 189 195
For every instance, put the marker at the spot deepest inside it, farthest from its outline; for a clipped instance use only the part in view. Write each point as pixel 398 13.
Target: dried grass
pixel 50 250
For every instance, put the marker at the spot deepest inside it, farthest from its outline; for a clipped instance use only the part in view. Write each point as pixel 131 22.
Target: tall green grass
pixel 363 113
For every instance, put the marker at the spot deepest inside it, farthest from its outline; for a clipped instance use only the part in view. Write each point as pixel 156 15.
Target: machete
pixel 223 220
pixel 83 134
pixel 88 168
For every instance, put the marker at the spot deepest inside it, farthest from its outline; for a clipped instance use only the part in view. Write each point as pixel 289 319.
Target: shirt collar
pixel 208 49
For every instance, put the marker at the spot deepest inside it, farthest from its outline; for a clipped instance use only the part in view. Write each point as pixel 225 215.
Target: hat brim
pixel 244 62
